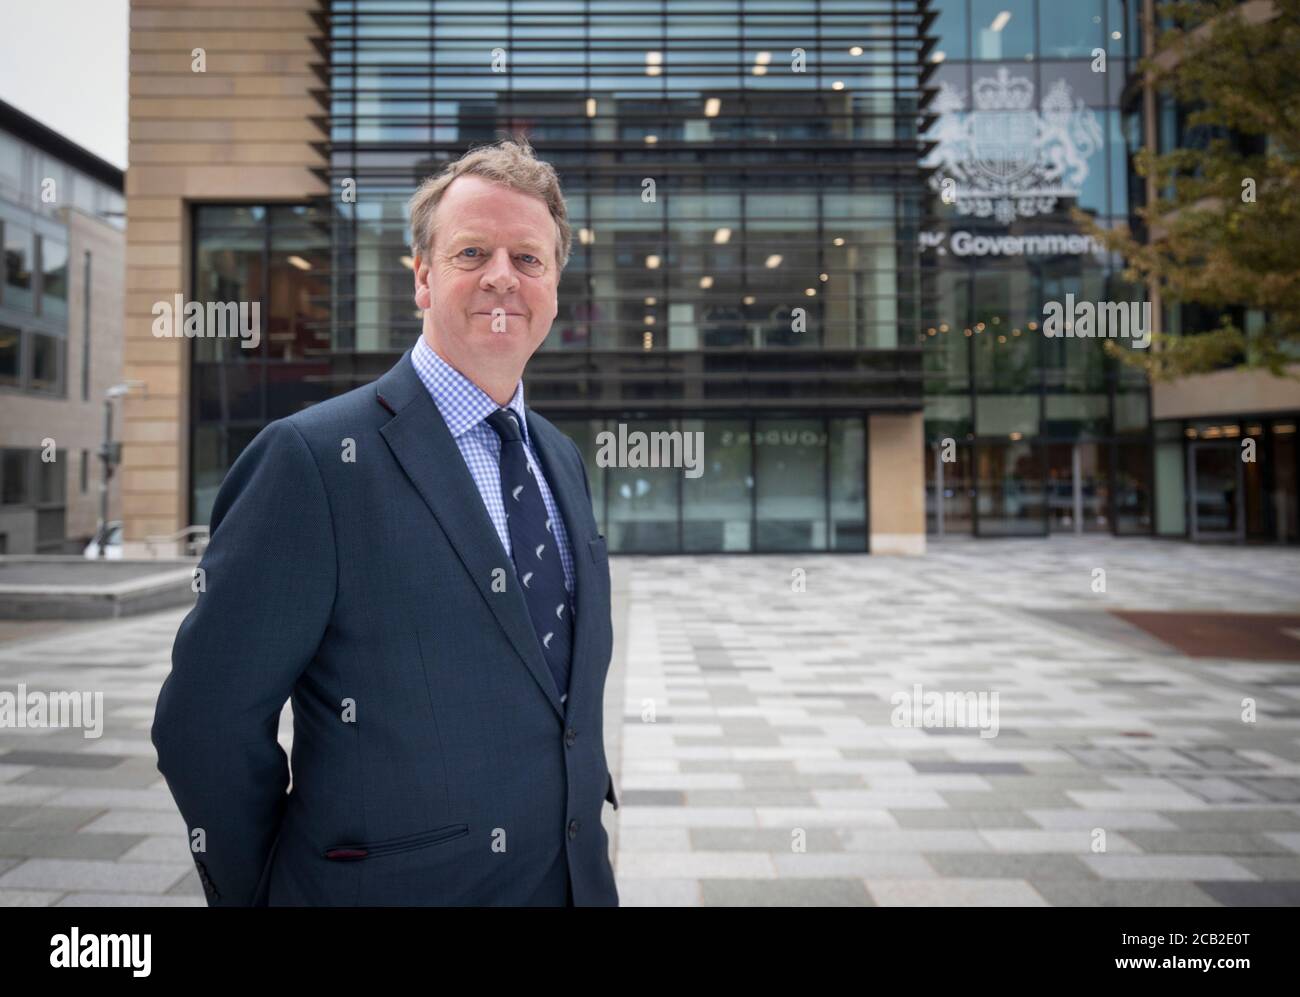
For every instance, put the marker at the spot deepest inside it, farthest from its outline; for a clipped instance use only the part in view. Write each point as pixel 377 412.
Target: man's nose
pixel 498 274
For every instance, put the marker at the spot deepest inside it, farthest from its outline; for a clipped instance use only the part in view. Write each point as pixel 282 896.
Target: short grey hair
pixel 509 162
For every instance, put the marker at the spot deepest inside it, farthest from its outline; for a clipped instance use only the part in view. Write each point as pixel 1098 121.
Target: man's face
pixel 494 251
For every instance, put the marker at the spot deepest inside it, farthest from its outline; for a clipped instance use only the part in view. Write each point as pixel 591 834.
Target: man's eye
pixel 529 258
pixel 470 249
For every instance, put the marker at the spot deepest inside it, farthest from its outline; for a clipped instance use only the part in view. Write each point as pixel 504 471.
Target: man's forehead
pixel 472 208
pixel 471 195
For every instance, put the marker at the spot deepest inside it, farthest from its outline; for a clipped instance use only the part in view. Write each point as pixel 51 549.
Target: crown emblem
pixel 1003 158
pixel 1003 93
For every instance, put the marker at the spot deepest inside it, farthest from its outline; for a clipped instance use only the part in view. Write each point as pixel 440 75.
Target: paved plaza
pixel 766 731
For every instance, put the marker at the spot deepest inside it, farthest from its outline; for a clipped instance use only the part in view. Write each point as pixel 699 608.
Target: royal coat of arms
pixel 1006 159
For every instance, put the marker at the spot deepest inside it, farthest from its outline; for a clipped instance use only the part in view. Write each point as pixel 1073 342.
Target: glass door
pixel 949 491
pixel 1078 489
pixel 1215 485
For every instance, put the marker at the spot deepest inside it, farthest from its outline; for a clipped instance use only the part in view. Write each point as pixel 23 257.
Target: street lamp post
pixel 110 454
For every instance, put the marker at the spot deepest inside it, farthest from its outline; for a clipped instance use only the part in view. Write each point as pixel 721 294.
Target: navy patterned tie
pixel 536 551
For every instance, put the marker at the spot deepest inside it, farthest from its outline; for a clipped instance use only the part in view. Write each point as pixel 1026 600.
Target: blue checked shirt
pixel 465 408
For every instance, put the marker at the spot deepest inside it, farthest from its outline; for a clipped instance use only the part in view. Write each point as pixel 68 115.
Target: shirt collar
pixel 463 403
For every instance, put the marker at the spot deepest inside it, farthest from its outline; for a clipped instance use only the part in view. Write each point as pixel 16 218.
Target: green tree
pixel 1224 230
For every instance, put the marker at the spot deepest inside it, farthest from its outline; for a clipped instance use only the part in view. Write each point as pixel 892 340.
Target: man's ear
pixel 423 296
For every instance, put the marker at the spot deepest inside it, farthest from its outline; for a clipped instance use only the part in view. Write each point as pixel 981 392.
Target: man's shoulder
pixel 356 410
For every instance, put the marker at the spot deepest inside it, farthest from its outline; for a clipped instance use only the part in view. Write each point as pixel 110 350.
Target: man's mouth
pixel 519 314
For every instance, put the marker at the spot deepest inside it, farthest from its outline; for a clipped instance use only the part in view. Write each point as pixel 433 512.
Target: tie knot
pixel 506 424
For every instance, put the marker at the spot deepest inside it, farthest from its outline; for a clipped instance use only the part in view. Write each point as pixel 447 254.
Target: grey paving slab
pixel 954 892
pixel 1140 893
pixel 658 891
pixel 1205 843
pixel 987 865
pixel 130 900
pixel 961 818
pixel 98 876
pixel 1235 894
pixel 711 839
pixel 866 865
pixel 790 892
pixel 696 865
pixel 64 845
pixel 1110 820
pixel 1185 867
pixel 1271 867
pixel 48 818
pixel 28 898
pixel 1290 840
pixel 1101 726
pixel 60 759
pixel 776 720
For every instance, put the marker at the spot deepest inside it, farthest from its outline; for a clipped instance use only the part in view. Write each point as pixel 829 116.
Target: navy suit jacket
pixel 433 762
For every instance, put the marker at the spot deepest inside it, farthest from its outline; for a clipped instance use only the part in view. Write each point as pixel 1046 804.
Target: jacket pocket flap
pixel 420 839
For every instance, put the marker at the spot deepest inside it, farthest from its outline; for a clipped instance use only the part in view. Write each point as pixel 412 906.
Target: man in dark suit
pixel 416 564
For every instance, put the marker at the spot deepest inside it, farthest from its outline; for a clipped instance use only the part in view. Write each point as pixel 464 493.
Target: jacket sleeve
pixel 266 592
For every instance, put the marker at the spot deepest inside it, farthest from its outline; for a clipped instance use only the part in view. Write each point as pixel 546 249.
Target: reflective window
pixel 275 258
pixel 51 481
pixel 1010 489
pixel 951 28
pixel 1070 30
pixel 848 505
pixel 1002 29
pixel 46 363
pixel 11 163
pixel 10 356
pixel 229 268
pixel 54 278
pixel 19 256
pixel 15 477
pixel 643 500
pixel 790 457
pixel 1133 488
pixel 717 505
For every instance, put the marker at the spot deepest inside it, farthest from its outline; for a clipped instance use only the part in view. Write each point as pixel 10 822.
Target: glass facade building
pixel 744 183
pixel 1029 435
pixel 44 177
pixel 789 218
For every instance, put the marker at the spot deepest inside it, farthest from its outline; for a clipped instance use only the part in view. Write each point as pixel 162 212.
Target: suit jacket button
pixel 570 736
pixel 573 828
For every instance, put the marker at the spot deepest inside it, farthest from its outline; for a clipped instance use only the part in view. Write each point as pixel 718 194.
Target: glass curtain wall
pixel 1028 435
pixel 742 179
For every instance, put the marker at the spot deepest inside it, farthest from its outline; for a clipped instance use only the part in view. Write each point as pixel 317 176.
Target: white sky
pixel 64 62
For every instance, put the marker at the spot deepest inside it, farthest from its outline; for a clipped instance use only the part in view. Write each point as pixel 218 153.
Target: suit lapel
pixel 422 444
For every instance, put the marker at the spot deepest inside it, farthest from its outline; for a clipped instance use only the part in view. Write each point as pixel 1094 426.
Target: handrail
pixel 196 538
